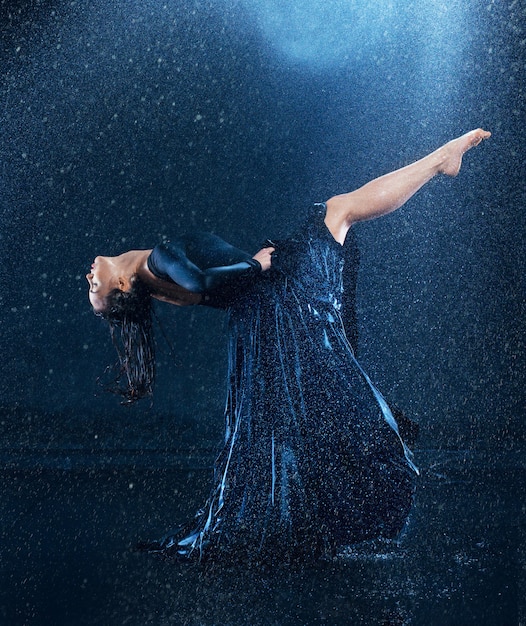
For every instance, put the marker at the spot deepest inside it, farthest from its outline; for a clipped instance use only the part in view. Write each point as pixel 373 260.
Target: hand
pixel 264 257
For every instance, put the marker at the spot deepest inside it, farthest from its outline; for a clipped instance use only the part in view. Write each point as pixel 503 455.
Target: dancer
pixel 313 457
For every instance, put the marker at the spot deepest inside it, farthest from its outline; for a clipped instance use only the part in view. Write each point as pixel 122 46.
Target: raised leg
pixel 389 192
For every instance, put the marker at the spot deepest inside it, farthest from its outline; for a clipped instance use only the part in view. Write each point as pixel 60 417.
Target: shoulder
pixel 163 256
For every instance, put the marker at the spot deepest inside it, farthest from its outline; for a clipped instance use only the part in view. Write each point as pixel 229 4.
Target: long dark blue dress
pixel 313 458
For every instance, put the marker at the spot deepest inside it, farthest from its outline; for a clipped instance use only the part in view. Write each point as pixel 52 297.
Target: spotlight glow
pixel 323 33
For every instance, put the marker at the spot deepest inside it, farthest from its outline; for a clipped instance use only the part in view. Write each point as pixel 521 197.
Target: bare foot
pixel 454 150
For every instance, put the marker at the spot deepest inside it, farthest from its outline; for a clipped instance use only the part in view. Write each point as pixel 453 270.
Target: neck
pixel 132 262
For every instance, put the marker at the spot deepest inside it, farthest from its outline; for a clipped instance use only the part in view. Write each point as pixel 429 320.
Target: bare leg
pixel 389 192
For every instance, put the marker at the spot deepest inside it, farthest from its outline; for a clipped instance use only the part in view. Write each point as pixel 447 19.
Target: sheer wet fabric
pixel 313 457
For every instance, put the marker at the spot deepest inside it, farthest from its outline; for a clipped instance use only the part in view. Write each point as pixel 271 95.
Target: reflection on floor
pixel 65 557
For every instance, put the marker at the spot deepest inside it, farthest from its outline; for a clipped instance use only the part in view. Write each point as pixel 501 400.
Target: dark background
pixel 122 123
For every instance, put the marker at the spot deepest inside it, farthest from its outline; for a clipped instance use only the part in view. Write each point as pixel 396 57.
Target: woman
pixel 313 456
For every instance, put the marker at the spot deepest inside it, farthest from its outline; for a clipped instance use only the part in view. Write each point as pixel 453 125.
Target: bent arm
pixel 201 263
pixel 217 277
pixel 389 192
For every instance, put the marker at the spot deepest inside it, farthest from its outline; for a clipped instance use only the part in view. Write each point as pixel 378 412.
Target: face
pixel 102 279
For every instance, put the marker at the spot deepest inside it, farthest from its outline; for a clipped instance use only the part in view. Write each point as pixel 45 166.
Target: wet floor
pixel 66 558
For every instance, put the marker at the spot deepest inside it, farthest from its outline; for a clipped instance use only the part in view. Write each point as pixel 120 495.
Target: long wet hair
pixel 129 315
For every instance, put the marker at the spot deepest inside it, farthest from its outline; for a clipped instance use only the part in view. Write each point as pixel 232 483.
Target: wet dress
pixel 313 458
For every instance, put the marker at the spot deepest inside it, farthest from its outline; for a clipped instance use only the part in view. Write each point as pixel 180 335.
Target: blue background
pixel 124 123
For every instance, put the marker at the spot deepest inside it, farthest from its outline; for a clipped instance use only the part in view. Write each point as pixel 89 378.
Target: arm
pixel 389 192
pixel 202 262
